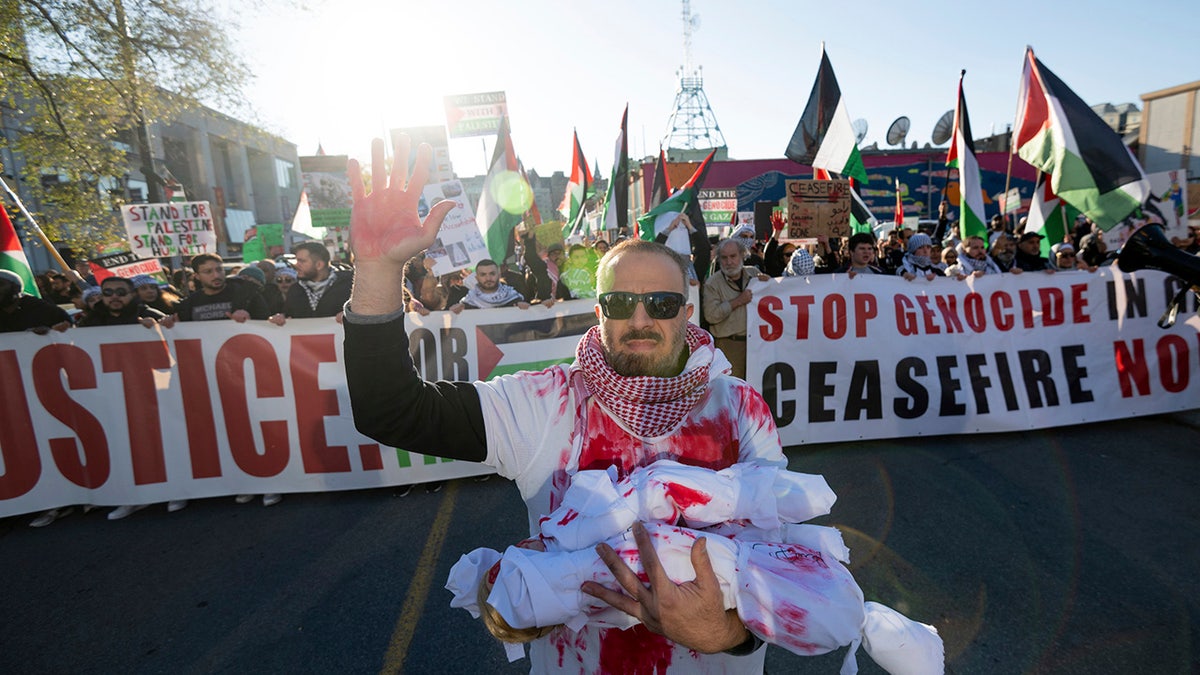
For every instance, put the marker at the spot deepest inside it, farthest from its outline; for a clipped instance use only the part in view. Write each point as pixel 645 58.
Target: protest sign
pixel 124 264
pixel 440 169
pixel 718 206
pixel 328 188
pixel 818 208
pixel 165 230
pixel 475 114
pixel 459 243
pixel 879 357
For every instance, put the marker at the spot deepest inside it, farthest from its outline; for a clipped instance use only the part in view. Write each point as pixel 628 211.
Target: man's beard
pixel 1005 256
pixel 634 365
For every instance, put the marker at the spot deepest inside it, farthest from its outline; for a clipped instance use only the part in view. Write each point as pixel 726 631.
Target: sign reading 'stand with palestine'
pixel 164 230
pixel 475 114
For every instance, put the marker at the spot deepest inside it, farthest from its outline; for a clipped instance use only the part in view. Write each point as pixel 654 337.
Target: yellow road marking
pixel 418 590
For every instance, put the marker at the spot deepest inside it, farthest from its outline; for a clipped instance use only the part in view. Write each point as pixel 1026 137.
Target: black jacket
pixel 296 305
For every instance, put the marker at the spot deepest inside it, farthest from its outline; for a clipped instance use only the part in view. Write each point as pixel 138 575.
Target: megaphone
pixel 1149 248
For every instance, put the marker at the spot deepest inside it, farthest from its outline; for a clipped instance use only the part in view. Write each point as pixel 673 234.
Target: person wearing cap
pixel 89 299
pixel 916 262
pixel 271 291
pixel 20 311
pixel 153 295
pixel 1065 257
pixel 1029 255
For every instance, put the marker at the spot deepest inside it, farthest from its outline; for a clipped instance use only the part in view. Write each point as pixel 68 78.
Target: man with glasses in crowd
pixel 646 385
pixel 120 306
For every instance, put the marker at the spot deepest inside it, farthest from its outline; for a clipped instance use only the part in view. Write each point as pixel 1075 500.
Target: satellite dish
pixel 898 130
pixel 860 130
pixel 943 128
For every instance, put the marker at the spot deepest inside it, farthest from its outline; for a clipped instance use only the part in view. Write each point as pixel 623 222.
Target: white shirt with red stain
pixel 542 428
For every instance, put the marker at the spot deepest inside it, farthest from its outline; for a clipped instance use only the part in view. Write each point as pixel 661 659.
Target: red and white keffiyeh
pixel 649 406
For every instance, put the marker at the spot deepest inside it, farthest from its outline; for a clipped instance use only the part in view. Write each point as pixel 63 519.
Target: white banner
pixel 842 359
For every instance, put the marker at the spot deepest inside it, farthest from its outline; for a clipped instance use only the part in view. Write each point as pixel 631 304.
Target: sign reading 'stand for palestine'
pixel 164 230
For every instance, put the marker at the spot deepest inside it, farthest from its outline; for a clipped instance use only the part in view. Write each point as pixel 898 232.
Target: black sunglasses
pixel 119 292
pixel 659 304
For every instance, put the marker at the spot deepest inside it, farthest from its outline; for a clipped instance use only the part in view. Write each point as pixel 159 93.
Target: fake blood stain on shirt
pixel 706 442
pixel 635 651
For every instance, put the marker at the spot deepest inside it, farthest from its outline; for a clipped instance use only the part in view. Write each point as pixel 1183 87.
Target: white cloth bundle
pixel 596 507
pixel 786 578
pixel 785 593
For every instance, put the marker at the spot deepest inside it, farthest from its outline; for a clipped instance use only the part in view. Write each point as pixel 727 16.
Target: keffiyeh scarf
pixel 649 406
pixel 801 264
pixel 970 265
pixel 315 289
pixel 501 297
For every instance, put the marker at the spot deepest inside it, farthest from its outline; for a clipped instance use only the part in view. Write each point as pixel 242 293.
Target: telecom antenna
pixel 860 130
pixel 944 128
pixel 898 130
pixel 692 125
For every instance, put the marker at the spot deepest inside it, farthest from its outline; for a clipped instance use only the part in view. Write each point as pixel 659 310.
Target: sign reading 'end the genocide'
pixel 163 230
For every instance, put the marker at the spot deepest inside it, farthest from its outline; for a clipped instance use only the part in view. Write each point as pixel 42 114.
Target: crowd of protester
pixel 310 284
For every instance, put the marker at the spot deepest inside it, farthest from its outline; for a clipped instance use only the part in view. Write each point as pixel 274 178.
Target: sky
pixel 340 73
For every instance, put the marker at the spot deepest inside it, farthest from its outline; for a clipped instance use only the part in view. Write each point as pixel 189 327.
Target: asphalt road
pixel 1071 550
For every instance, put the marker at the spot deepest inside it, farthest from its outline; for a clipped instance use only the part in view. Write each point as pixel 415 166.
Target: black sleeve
pixel 393 405
pixel 540 284
pixel 773 262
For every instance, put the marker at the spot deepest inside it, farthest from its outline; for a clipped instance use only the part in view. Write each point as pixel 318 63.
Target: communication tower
pixel 692 130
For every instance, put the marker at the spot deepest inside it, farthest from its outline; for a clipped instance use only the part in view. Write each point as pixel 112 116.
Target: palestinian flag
pixel 505 198
pixel 12 256
pixel 616 204
pixel 1047 215
pixel 861 218
pixel 824 138
pixel 661 188
pixel 962 157
pixel 685 200
pixel 533 216
pixel 507 348
pixel 578 186
pixel 1089 166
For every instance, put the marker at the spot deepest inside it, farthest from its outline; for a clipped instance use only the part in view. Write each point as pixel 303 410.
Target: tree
pixel 82 81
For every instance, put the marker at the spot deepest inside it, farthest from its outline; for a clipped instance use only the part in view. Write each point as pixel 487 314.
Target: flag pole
pixel 1011 145
pixel 42 236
